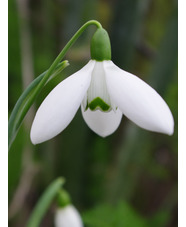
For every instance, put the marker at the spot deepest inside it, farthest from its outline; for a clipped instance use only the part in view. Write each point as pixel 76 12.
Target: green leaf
pixel 26 100
pixel 44 202
pixel 118 215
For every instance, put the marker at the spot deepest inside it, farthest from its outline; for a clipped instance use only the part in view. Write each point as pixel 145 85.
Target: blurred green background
pixel 129 178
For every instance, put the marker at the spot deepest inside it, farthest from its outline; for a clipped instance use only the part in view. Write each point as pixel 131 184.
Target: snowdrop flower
pixel 105 92
pixel 68 216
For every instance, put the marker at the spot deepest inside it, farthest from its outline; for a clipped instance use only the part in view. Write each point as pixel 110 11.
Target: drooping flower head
pixel 68 217
pixel 66 214
pixel 105 92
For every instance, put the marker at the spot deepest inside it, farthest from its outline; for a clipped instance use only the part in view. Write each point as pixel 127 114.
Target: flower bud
pixel 68 216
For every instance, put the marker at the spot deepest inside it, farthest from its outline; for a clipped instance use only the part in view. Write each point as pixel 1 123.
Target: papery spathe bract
pixel 68 216
pixel 105 92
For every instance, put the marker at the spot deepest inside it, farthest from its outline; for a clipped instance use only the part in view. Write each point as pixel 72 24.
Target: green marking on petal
pixel 98 103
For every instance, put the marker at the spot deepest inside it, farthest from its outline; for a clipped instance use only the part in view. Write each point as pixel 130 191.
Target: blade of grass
pixel 44 202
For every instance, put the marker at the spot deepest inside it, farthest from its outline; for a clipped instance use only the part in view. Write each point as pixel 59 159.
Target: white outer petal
pixel 68 217
pixel 60 106
pixel 137 100
pixel 102 123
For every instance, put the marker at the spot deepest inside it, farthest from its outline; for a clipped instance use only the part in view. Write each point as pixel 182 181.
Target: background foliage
pixel 129 178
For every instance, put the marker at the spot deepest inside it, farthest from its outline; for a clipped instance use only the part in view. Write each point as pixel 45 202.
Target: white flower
pixel 105 92
pixel 68 217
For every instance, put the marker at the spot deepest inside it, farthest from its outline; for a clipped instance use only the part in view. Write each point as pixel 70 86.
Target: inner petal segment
pixel 97 94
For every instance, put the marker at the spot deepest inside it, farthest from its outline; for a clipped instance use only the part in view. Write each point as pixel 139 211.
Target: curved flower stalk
pixel 68 216
pixel 105 92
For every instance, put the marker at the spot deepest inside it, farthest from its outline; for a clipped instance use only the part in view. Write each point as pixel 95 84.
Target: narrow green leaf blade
pixel 44 202
pixel 26 100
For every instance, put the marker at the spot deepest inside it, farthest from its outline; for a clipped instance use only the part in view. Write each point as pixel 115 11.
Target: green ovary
pixel 98 103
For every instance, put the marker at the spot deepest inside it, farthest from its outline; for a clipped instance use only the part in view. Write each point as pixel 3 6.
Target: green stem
pixel 44 203
pixel 66 48
pixel 64 51
pixel 43 79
